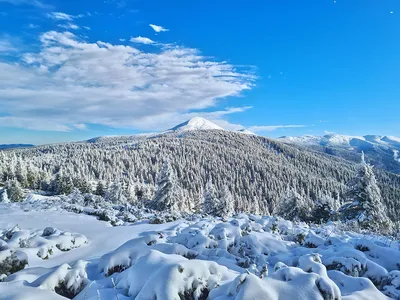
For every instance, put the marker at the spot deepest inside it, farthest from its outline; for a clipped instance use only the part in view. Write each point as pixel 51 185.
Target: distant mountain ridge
pixel 381 151
pixel 13 146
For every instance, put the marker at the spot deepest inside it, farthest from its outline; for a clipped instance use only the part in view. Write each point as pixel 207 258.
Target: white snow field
pixel 64 254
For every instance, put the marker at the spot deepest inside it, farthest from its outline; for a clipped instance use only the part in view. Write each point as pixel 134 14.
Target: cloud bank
pixel 70 82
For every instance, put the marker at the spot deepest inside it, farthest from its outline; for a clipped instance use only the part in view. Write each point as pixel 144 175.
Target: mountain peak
pixel 196 123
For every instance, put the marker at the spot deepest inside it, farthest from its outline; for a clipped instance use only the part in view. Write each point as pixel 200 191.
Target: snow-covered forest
pixel 258 172
pixel 222 215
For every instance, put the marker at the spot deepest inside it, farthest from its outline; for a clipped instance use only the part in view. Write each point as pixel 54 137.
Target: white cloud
pixel 273 127
pixel 33 124
pixel 227 125
pixel 158 28
pixel 6 45
pixel 68 26
pixel 80 126
pixel 142 40
pixel 69 81
pixel 122 40
pixel 27 2
pixel 329 132
pixel 33 26
pixel 62 16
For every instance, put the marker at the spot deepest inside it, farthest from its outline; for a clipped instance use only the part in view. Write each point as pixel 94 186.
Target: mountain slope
pixel 256 170
pixel 380 151
pixel 194 124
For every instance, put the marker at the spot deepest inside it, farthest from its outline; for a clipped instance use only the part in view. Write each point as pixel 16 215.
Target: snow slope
pixel 196 123
pixel 246 257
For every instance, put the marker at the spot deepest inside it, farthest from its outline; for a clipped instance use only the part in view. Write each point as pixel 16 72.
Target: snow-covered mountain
pixel 381 151
pixel 196 123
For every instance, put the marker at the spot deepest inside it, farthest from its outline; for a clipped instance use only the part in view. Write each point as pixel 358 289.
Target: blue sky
pixel 71 70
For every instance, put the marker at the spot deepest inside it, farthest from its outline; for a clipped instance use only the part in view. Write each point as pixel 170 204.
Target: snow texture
pixel 242 257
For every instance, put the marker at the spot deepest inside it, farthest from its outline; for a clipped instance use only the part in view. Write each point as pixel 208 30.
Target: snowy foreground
pixel 76 255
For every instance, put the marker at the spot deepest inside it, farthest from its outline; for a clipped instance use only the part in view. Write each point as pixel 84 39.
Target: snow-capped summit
pixel 246 131
pixel 196 123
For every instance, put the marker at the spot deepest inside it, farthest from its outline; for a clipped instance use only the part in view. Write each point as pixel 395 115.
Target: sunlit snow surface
pixel 247 257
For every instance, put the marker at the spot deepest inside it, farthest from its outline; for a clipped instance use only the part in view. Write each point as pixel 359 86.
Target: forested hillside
pixel 257 171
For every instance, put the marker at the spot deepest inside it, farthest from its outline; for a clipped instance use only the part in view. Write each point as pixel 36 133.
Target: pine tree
pixel 294 206
pixel 4 196
pixel 76 197
pixel 211 202
pixel 325 207
pixel 226 204
pixel 14 191
pixel 364 200
pixel 100 190
pixel 114 193
pixel 169 195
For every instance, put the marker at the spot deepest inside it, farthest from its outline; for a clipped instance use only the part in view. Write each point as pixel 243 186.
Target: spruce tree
pixel 4 196
pixel 226 204
pixel 211 202
pixel 169 194
pixel 14 191
pixel 294 206
pixel 114 194
pixel 364 200
pixel 100 190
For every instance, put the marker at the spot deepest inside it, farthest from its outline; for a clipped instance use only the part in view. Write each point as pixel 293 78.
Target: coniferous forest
pixel 258 174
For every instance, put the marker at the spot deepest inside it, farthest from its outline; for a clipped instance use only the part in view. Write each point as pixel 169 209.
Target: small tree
pixel 14 191
pixel 364 200
pixel 294 206
pixel 325 207
pixel 211 202
pixel 4 196
pixel 169 194
pixel 76 197
pixel 226 204
pixel 115 194
pixel 100 190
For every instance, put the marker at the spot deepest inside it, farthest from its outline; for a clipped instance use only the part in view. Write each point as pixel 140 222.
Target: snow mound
pixel 18 246
pixel 201 257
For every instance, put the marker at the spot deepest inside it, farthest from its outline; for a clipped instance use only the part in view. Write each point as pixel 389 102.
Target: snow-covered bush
pixel 65 280
pixel 14 191
pixel 12 261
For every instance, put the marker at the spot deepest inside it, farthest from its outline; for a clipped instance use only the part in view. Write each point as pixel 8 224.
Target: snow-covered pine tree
pixel 364 202
pixel 325 207
pixel 169 194
pixel 100 190
pixel 226 203
pixel 76 197
pixel 211 201
pixel 4 196
pixel 294 206
pixel 14 191
pixel 114 193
